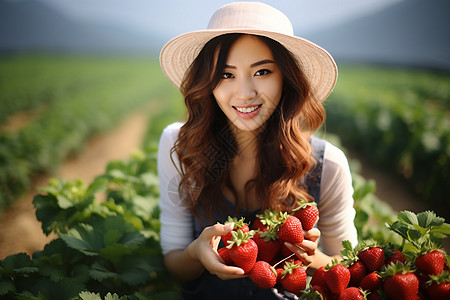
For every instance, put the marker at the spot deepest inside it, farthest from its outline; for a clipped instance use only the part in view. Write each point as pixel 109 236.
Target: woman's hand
pixel 306 250
pixel 204 249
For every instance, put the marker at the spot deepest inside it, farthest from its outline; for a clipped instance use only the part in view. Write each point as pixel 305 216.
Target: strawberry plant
pixel 102 247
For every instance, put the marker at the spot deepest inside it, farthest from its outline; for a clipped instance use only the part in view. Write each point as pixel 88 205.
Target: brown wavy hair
pixel 206 144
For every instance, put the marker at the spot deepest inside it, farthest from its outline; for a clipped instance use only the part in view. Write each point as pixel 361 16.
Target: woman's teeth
pixel 247 110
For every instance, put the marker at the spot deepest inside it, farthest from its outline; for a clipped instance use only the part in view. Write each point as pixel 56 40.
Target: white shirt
pixel 336 212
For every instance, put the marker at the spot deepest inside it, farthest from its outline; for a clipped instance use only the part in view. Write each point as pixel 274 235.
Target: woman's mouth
pixel 247 111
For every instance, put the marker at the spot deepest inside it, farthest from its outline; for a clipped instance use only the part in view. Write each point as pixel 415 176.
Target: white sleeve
pixel 176 219
pixel 336 212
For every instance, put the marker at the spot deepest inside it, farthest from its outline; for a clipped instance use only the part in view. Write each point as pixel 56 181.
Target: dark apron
pixel 212 287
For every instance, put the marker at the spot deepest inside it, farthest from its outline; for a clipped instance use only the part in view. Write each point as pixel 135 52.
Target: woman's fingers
pixel 312 235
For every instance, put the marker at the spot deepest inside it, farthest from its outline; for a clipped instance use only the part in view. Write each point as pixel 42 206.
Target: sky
pixel 170 18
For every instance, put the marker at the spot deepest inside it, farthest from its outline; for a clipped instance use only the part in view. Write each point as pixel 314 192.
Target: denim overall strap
pixel 314 176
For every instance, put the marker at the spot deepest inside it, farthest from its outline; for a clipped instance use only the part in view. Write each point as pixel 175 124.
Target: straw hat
pixel 252 18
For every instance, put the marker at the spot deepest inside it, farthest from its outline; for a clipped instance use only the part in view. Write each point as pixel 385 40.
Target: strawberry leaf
pixel 427 219
pixel 408 217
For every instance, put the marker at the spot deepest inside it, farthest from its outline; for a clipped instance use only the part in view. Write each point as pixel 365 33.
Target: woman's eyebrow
pixel 258 63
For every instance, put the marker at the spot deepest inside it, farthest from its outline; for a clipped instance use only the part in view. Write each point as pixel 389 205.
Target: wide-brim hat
pixel 255 18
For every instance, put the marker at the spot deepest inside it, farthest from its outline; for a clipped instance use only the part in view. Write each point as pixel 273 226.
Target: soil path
pixel 20 231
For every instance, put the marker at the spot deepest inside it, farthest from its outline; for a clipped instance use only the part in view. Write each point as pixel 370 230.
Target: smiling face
pixel 251 84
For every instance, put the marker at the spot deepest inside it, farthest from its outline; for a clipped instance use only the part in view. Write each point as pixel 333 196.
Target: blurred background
pixel 80 85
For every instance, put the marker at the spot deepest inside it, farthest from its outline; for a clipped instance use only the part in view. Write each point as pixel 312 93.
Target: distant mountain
pixel 29 25
pixel 412 33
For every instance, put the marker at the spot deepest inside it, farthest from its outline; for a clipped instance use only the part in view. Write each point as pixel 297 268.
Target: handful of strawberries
pixel 260 250
pixel 416 269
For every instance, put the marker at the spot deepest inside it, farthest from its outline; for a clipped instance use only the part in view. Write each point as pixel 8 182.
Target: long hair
pixel 206 144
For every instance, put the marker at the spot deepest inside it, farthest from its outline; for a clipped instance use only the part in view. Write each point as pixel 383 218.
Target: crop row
pixel 400 120
pixel 72 98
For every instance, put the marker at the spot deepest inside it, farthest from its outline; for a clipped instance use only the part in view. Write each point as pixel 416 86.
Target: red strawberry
pixel 323 291
pixel 267 219
pixel 258 225
pixel 319 277
pixel 438 291
pixel 243 250
pixel 352 293
pixel 268 244
pixel 293 278
pixel 337 277
pixel 225 255
pixel 263 275
pixel 372 257
pixel 291 230
pixel 438 287
pixel 237 225
pixel 374 296
pixel 357 272
pixel 371 282
pixel 395 256
pixel 431 263
pixel 400 282
pixel 308 214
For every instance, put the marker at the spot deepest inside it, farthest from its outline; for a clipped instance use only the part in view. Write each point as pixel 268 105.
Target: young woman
pixel 253 93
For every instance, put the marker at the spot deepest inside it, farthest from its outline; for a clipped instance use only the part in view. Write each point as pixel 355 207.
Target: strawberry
pixel 439 291
pixel 267 219
pixel 350 258
pixel 394 256
pixel 337 277
pixel 357 272
pixel 352 293
pixel 263 275
pixel 431 263
pixel 293 278
pixel 319 277
pixel 225 255
pixel 400 282
pixel 438 287
pixel 307 213
pixel 268 244
pixel 371 282
pixel 372 257
pixel 237 225
pixel 290 229
pixel 243 250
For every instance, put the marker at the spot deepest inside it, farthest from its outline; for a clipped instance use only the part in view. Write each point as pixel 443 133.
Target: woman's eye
pixel 227 75
pixel 262 72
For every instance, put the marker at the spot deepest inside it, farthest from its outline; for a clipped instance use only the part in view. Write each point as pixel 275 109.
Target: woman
pixel 253 93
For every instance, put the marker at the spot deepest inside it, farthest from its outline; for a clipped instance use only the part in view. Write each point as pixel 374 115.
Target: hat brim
pixel 316 63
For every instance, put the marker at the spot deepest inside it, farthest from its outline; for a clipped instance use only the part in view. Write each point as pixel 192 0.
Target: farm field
pixel 79 109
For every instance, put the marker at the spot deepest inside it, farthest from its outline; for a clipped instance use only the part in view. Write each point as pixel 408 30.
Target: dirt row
pixel 20 231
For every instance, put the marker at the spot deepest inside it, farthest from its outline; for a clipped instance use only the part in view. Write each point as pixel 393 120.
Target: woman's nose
pixel 245 89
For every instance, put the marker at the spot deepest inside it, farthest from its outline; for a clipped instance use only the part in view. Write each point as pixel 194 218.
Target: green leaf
pixel 427 219
pixel 84 238
pixel 100 273
pixel 111 237
pixel 89 296
pixel 6 286
pixel 408 217
pixel 98 185
pixel 114 252
pixel 19 263
pixel 63 202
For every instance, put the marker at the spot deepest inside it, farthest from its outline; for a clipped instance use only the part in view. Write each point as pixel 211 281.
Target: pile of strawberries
pixel 261 251
pixel 416 269
pixel 376 272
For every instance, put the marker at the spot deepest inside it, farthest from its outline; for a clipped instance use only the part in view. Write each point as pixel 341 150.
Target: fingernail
pixel 229 226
